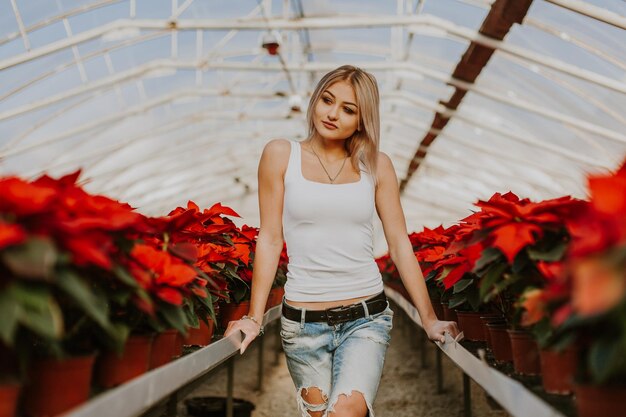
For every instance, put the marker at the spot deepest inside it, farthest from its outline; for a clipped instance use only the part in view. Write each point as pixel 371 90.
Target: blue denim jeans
pixel 336 359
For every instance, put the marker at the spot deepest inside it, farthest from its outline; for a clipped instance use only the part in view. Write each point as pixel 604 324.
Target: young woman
pixel 319 196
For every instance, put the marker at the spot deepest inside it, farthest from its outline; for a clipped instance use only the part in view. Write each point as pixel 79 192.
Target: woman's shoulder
pixel 384 169
pixel 275 154
pixel 383 163
pixel 277 146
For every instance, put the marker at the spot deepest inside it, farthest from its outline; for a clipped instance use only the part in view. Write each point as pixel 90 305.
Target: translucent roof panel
pixel 162 101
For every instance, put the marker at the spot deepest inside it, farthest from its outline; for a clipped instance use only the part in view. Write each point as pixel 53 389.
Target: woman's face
pixel 336 114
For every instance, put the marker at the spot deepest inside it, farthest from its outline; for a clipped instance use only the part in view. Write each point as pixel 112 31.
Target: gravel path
pixel 406 389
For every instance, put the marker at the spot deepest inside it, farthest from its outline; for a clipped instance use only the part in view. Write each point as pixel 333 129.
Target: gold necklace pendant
pixel 331 179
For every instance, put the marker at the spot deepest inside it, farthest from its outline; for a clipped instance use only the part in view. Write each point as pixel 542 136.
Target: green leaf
pixel 520 262
pixel 173 316
pixel 119 334
pixel 123 275
pixel 9 313
pixel 31 295
pixel 605 354
pixel 487 256
pixel 39 311
pixel 209 279
pixel 192 318
pixel 444 273
pixel 35 258
pixel 462 285
pixel 555 253
pixel 457 300
pixel 205 301
pixel 432 274
pixel 95 307
pixel 509 279
pixel 473 298
pixel 494 273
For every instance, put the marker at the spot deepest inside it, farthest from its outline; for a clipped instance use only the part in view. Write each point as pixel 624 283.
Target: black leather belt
pixel 340 314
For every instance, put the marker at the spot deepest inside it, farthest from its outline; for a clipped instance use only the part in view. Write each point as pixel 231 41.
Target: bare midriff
pixel 323 305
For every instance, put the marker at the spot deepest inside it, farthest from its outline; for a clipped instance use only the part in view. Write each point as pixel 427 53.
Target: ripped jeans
pixel 337 359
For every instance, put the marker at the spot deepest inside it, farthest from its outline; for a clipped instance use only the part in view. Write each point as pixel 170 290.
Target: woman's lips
pixel 329 125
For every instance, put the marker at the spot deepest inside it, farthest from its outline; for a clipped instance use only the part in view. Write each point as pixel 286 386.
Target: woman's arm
pixel 269 244
pixel 401 251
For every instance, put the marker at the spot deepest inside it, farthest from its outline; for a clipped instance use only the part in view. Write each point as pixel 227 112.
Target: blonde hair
pixel 363 145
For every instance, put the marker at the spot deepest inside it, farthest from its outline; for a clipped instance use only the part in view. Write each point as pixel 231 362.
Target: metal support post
pixel 439 372
pixel 467 396
pixel 406 324
pixel 229 386
pixel 279 344
pixel 172 404
pixel 413 336
pixel 423 347
pixel 259 384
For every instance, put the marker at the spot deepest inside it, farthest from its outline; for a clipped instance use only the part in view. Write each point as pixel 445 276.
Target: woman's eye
pixel 348 110
pixel 326 100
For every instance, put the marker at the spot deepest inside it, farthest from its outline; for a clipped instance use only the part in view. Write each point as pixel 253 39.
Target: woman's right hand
pixel 249 328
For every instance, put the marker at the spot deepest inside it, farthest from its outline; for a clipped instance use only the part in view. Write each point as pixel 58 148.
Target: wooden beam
pixel 502 16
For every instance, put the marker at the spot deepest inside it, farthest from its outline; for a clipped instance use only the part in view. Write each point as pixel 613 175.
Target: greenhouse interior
pixel 137 138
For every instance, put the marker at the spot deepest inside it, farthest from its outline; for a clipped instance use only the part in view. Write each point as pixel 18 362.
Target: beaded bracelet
pixel 261 327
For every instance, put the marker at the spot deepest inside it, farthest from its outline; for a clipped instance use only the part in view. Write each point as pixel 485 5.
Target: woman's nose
pixel 333 113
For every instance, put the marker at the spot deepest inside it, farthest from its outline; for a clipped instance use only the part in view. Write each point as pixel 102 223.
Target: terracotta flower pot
pixel 490 318
pixel 113 369
pixel 178 346
pixel 471 326
pixel 200 336
pixel 55 386
pixel 558 369
pixel 9 393
pixel 163 348
pixel 525 352
pixel 500 342
pixel 600 400
pixel 232 311
pixel 449 314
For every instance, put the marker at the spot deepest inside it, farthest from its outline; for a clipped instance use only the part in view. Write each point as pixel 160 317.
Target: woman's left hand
pixel 437 330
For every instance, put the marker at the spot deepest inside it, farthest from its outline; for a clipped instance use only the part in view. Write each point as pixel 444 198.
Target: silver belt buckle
pixel 337 315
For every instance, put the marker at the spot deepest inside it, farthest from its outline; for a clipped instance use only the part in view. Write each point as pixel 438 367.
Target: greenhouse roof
pixel 164 101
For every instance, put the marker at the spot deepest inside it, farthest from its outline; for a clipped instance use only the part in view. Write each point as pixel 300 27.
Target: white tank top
pixel 328 230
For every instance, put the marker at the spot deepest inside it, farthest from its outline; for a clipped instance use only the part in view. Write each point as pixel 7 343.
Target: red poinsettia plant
pixel 584 301
pixel 202 239
pixel 225 252
pixel 453 269
pixel 495 251
pixel 429 247
pixel 61 255
pixel 387 268
pixel 244 240
pixel 281 272
pixel 517 235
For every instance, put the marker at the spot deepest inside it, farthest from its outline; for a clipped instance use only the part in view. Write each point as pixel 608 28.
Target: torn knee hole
pixel 347 401
pixel 313 399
